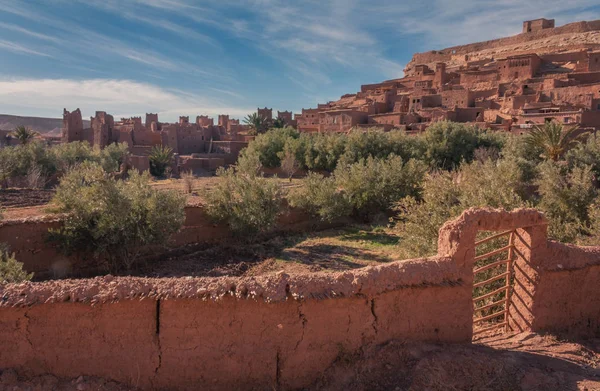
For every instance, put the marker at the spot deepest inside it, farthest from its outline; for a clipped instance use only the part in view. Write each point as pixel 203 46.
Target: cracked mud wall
pixel 115 340
pixel 224 344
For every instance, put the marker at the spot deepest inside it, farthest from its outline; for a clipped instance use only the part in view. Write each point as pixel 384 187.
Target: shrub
pixel 11 270
pixel 525 155
pixel 372 186
pixel 35 178
pixel 18 160
pixel 586 154
pixel 450 143
pixel 113 219
pixel 364 189
pixel 22 160
pixel 112 156
pixel 246 201
pixel 289 164
pixel 323 151
pixel 189 181
pixel 320 196
pixel 68 155
pixel 160 158
pixel 566 197
pixel 270 145
pixel 447 194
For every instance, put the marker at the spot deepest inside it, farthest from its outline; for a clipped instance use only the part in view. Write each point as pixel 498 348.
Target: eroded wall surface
pixel 283 331
pixel 273 332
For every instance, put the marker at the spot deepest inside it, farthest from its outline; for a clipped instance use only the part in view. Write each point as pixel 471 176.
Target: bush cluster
pixel 363 189
pixel 112 220
pixel 444 145
pixel 243 199
pixel 36 157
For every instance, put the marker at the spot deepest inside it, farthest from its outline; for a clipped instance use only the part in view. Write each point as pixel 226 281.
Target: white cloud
pixel 122 98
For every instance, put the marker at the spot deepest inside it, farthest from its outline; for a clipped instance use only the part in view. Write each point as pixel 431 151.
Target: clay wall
pixel 383 119
pixel 594 62
pixel 458 98
pixel 474 77
pixel 581 96
pixel 229 333
pixel 280 331
pixel 519 67
pixel 146 137
pixel 585 77
pixel 468 114
pixel 202 162
pixel 140 163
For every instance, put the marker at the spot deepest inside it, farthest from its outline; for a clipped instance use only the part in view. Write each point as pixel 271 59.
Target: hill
pixel 50 126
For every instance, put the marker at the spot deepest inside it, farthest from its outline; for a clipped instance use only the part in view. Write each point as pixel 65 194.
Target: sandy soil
pixel 523 361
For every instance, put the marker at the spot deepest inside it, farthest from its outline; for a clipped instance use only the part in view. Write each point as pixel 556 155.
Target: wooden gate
pixel 492 280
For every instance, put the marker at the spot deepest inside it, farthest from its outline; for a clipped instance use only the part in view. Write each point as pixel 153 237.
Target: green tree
pixel 553 139
pixel 278 123
pixel 160 158
pixel 257 123
pixel 247 202
pixel 23 134
pixel 112 220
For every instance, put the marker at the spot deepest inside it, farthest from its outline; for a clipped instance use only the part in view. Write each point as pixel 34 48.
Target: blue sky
pixel 186 57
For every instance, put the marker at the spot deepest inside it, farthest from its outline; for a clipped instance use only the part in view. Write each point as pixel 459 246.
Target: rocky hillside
pixel 42 125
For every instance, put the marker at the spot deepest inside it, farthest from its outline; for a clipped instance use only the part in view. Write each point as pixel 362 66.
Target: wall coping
pixel 369 281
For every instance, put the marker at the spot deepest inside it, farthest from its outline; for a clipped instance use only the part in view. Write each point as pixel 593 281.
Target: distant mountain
pixel 49 126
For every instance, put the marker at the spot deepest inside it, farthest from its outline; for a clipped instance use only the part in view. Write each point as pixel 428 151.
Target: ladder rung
pixel 505 248
pixel 493 237
pixel 496 278
pixel 490 266
pixel 504 288
pixel 490 328
pixel 492 316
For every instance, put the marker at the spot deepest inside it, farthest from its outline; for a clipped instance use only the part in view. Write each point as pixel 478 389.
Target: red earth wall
pixel 280 331
pixel 273 332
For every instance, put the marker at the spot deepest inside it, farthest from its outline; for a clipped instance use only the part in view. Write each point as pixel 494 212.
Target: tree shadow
pixel 332 257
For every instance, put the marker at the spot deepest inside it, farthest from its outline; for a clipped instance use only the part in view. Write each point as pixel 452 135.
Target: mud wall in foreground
pixel 282 332
pixel 275 332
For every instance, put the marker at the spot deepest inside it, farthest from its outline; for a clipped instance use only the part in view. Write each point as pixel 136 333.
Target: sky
pixel 210 57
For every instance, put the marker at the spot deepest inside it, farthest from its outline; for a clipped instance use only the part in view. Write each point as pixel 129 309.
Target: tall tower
pixel 72 126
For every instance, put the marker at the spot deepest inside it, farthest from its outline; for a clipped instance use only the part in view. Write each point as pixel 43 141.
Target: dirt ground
pixel 526 361
pixel 19 198
pixel 330 250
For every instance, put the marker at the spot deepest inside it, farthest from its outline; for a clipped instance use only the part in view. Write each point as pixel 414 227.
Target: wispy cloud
pixel 27 32
pixel 17 48
pixel 119 97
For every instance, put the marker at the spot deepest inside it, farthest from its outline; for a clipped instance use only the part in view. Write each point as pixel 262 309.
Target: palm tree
pixel 553 139
pixel 160 158
pixel 23 134
pixel 257 123
pixel 279 123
